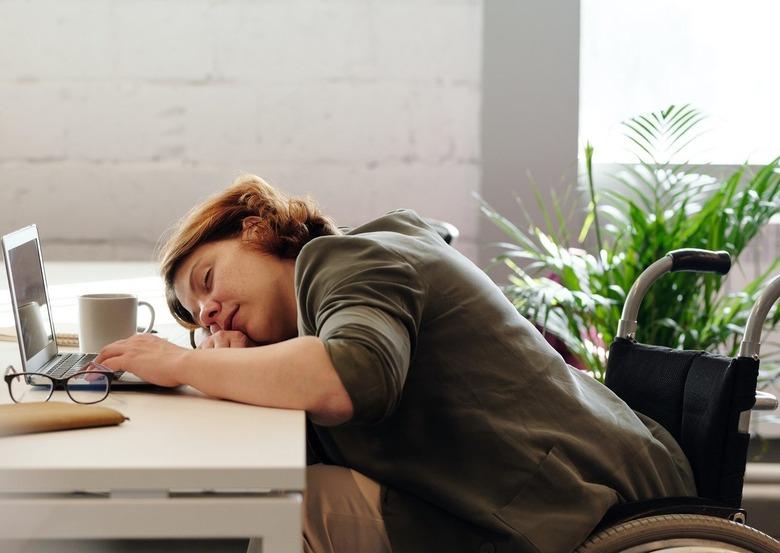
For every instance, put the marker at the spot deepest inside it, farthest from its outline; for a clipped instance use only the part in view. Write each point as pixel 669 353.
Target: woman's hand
pixel 151 358
pixel 227 339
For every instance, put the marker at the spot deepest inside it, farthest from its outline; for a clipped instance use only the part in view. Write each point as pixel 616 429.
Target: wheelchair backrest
pixel 698 398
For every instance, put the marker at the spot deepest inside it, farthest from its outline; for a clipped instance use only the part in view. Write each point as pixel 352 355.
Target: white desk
pixel 184 466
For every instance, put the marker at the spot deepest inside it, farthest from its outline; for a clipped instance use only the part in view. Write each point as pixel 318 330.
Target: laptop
pixel 32 311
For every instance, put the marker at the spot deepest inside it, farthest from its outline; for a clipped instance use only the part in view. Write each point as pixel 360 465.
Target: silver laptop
pixel 32 310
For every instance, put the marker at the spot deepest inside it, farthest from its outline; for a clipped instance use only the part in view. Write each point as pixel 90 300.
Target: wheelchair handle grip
pixel 700 261
pixel 688 259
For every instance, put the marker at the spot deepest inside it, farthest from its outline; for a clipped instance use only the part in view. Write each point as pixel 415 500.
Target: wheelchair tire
pixel 687 532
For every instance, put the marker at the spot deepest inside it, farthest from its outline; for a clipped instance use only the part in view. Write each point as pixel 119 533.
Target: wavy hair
pixel 285 224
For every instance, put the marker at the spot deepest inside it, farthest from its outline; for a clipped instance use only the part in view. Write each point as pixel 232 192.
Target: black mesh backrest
pixel 698 398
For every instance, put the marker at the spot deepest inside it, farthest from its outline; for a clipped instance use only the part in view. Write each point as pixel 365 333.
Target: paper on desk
pixel 64 339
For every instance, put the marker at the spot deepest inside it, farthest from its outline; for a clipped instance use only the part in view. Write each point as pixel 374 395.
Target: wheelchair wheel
pixel 678 534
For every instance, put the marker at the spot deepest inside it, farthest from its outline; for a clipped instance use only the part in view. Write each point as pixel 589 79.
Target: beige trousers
pixel 341 513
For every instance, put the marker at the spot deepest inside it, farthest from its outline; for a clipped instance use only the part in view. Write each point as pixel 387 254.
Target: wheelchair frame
pixel 700 512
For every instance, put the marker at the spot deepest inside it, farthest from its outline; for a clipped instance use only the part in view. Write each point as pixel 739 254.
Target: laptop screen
pixel 30 292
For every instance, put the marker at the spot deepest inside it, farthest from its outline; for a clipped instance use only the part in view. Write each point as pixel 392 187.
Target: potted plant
pixel 575 291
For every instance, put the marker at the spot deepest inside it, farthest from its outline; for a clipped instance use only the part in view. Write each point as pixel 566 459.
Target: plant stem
pixel 589 168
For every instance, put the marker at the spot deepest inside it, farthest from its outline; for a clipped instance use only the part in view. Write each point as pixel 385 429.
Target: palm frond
pixel 576 291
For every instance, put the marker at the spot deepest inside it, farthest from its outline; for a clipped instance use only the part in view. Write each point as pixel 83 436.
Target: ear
pixel 249 227
pixel 249 222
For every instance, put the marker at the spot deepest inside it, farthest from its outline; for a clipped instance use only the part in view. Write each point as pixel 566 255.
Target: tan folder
pixel 28 418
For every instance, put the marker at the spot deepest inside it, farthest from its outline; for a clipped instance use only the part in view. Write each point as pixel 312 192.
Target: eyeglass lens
pixel 27 388
pixel 87 387
pixel 83 387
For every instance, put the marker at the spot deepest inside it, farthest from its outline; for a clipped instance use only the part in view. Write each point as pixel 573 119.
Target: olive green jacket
pixel 482 437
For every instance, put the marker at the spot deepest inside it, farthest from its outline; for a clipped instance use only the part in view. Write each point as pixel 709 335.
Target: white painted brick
pixel 293 42
pixel 353 194
pixel 103 201
pixel 52 39
pixel 132 121
pixel 429 41
pixel 125 114
pixel 444 123
pixel 32 121
pixel 123 120
pixel 369 122
pixel 140 121
pixel 338 122
pixel 163 39
pixel 358 195
pixel 134 204
pixel 220 123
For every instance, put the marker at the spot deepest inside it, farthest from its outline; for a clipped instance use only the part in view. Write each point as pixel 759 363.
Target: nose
pixel 209 312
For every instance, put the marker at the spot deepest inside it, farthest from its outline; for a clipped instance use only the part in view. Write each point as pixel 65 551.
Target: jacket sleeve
pixel 364 301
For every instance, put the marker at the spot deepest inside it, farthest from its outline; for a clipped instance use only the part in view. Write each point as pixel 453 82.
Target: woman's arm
pixel 294 374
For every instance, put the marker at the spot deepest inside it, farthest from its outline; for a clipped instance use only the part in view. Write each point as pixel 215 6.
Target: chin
pixel 254 338
pixel 259 340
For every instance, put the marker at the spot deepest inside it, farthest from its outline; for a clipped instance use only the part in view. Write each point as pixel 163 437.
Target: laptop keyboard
pixel 70 363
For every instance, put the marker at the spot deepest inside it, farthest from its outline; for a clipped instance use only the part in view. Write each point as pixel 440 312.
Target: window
pixel 721 57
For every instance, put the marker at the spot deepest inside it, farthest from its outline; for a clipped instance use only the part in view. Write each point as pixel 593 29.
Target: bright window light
pixel 721 57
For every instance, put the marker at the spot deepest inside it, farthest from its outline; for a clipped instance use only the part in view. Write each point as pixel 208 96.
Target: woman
pixel 440 419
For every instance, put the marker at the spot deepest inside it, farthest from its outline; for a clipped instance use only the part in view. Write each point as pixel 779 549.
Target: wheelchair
pixel 704 400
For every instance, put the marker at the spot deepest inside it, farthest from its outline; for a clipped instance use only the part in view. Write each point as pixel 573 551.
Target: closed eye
pixel 206 280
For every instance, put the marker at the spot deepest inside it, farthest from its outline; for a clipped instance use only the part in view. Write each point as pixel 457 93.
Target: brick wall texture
pixel 117 116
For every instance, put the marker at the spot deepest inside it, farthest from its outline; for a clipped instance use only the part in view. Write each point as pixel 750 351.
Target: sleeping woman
pixel 438 418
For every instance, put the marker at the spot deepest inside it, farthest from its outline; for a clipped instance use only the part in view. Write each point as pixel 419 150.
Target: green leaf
pixel 645 210
pixel 585 227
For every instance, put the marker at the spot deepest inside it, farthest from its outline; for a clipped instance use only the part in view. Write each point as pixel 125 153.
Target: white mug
pixel 106 318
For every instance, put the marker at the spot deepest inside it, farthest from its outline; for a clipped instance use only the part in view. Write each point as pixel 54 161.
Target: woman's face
pixel 227 285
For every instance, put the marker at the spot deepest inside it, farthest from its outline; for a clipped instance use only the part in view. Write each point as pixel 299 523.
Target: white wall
pixel 117 116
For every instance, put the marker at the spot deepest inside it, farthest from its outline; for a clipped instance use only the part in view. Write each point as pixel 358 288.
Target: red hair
pixel 280 225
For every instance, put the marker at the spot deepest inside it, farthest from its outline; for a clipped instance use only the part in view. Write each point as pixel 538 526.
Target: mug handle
pixel 151 312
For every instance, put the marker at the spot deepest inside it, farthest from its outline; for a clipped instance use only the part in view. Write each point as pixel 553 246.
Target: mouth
pixel 229 321
pixel 236 325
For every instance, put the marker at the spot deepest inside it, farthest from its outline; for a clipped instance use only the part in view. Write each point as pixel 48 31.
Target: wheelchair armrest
pixel 765 402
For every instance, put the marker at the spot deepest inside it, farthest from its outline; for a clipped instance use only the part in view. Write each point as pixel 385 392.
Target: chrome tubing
pixel 627 324
pixel 765 402
pixel 686 259
pixel 751 346
pixel 751 341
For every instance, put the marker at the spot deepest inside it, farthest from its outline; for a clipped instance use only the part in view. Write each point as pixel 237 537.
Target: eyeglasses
pixel 90 386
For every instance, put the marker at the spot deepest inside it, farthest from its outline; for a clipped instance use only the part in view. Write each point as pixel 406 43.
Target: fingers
pixel 218 340
pixel 123 346
pixel 111 350
pixel 95 371
pixel 95 367
pixel 226 339
pixel 112 364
